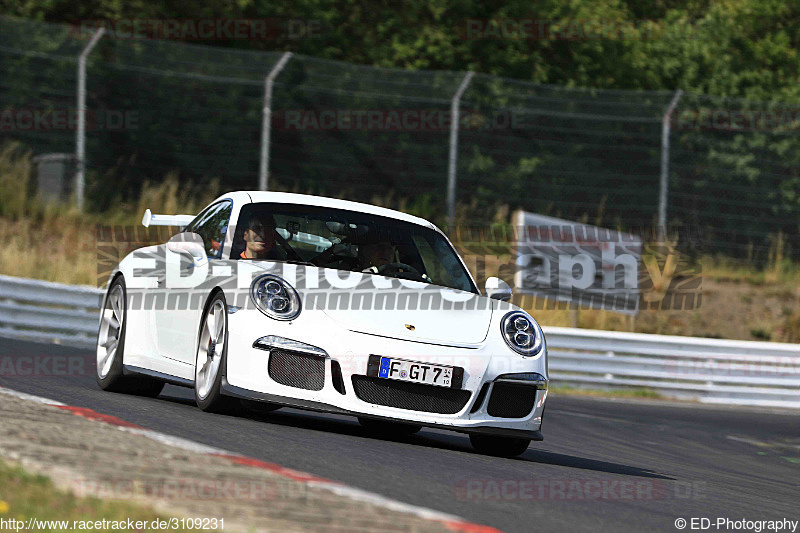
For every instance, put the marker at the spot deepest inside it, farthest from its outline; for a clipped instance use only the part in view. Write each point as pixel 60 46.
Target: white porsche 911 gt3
pixel 327 305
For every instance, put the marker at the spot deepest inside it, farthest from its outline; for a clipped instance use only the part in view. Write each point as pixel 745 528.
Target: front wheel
pixel 499 446
pixel 212 349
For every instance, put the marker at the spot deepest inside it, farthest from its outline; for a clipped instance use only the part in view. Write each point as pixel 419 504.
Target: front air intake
pixel 511 400
pixel 336 376
pixel 295 369
pixel 411 396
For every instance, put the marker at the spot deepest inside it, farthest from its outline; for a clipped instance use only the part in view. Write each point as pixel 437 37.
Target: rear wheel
pixel 111 347
pixel 499 446
pixel 383 427
pixel 212 349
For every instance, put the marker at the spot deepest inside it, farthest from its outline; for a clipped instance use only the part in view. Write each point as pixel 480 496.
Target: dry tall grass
pixel 57 243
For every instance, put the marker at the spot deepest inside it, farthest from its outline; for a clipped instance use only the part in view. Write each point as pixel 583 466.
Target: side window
pixel 212 225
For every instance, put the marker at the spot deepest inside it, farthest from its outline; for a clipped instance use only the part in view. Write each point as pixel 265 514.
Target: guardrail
pixel 708 370
pixel 49 311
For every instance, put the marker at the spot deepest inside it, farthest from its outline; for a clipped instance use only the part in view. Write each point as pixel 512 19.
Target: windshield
pixel 348 240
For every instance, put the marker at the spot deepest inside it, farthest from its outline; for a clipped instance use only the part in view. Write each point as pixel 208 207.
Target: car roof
pixel 322 201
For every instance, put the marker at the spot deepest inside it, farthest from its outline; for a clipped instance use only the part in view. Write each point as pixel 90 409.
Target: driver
pixel 375 255
pixel 260 238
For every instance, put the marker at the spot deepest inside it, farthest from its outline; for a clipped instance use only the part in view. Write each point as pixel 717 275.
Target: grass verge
pixel 24 496
pixel 637 392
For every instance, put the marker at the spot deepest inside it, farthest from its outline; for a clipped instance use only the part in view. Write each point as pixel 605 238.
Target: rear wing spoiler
pixel 149 219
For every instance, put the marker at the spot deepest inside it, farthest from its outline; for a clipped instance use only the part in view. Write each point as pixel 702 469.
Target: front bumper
pixel 347 354
pixel 236 392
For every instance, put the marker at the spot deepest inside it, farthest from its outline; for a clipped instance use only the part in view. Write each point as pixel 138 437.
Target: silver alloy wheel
pixel 111 325
pixel 210 349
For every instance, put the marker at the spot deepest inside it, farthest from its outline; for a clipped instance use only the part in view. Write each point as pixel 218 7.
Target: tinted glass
pixel 212 225
pixel 348 240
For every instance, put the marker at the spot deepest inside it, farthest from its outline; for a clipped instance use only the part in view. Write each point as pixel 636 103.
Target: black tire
pixel 214 401
pixel 383 427
pixel 499 446
pixel 115 380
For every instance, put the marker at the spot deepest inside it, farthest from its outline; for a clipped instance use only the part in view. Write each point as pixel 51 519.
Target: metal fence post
pixel 80 138
pixel 452 160
pixel 266 124
pixel 664 186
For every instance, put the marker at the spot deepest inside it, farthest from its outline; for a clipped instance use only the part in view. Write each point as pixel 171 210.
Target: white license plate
pixel 415 372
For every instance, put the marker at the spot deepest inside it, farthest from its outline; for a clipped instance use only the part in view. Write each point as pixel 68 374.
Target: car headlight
pixel 275 298
pixel 522 333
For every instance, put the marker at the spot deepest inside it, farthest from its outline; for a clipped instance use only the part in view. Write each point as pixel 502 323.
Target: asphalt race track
pixel 605 465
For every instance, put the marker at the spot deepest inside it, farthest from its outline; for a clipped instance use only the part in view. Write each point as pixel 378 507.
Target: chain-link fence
pixel 383 135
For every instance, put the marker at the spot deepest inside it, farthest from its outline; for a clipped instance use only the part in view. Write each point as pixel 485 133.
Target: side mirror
pixel 498 289
pixel 189 245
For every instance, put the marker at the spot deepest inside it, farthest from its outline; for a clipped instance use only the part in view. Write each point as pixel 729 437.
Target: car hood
pixel 388 307
pixel 416 312
pixel 451 326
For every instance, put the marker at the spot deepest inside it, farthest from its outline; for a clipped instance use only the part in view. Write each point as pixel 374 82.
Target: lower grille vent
pixel 411 396
pixel 296 369
pixel 510 400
